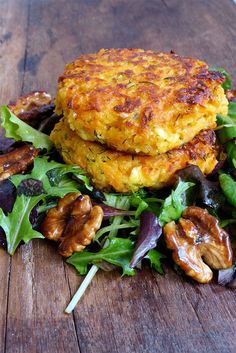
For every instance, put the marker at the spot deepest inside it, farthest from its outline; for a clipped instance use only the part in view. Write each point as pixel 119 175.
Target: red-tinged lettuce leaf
pixel 227 277
pixel 117 252
pixel 207 192
pixel 3 240
pixel 47 125
pixel 7 195
pixel 150 232
pixel 109 211
pixel 5 143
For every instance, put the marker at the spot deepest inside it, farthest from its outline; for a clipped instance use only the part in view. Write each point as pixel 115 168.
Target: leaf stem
pixel 93 270
pixel 82 288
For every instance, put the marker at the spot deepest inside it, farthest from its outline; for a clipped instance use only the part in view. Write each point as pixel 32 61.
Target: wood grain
pixel 12 45
pixel 147 313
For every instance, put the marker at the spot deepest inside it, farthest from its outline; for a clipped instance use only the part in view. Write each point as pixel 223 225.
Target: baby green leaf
pixel 118 252
pixel 155 259
pixel 20 131
pixel 16 224
pixel 173 205
pixel 227 134
pixel 228 186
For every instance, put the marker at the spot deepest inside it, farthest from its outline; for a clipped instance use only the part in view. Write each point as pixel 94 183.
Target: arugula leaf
pixel 173 205
pixel 228 186
pixel 140 204
pixel 227 84
pixel 56 175
pixel 16 224
pixel 20 131
pixel 155 259
pixel 118 252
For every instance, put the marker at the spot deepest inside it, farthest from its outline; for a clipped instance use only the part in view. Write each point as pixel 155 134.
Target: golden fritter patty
pixel 139 101
pixel 124 172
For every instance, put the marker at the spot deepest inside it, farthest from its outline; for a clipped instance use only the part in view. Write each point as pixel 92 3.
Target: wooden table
pixel 147 313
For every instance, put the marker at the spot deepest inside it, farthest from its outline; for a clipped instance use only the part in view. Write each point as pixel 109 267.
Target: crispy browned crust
pixel 123 172
pixel 139 101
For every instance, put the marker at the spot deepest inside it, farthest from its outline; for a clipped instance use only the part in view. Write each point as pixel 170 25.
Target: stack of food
pixel 132 118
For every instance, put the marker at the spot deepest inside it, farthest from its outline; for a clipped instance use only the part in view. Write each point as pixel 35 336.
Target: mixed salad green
pixel 132 229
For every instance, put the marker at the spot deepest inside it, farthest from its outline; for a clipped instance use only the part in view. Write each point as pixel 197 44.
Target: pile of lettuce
pixel 132 227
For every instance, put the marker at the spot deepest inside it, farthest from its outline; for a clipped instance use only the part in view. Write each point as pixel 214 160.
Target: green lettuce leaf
pixel 173 205
pixel 117 201
pixel 118 252
pixel 155 260
pixel 228 186
pixel 232 111
pixel 228 130
pixel 227 133
pixel 20 131
pixel 16 224
pixel 137 201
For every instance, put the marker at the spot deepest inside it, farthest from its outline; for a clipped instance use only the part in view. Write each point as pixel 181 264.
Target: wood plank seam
pixel 26 46
pixel 73 313
pixel 8 292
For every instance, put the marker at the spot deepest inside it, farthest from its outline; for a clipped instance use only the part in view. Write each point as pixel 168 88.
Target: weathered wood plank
pixel 150 313
pixel 13 29
pixel 37 296
pixel 147 313
pixel 12 46
pixel 38 288
pixel 4 278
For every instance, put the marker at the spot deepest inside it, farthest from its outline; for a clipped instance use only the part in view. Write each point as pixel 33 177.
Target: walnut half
pixel 198 244
pixel 73 222
pixel 33 107
pixel 16 161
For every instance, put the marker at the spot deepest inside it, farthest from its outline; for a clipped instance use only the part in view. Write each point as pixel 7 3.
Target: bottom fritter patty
pixel 124 172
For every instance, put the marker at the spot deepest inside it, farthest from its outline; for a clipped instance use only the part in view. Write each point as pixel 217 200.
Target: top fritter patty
pixel 139 101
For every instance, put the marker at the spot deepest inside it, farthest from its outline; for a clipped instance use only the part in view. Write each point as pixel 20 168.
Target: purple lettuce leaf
pixel 109 211
pixel 227 277
pixel 150 232
pixel 208 192
pixel 7 195
pixel 5 143
pixel 7 199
